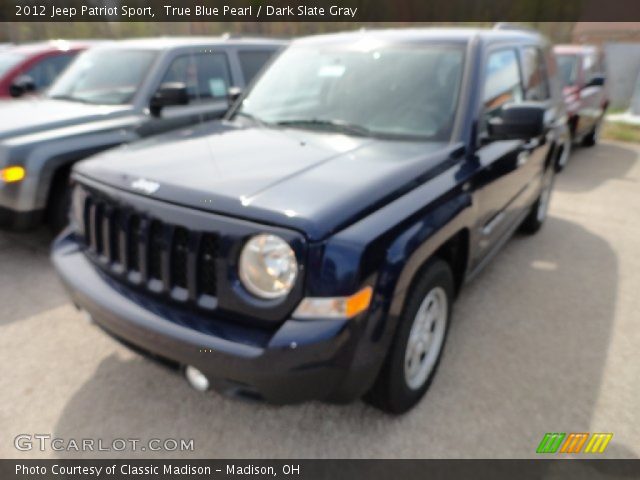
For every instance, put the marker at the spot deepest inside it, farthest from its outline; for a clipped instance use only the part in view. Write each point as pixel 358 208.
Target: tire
pixel 539 210
pixel 405 378
pixel 59 203
pixel 593 137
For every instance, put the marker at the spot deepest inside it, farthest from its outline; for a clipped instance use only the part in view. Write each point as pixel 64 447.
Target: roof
pixel 162 43
pixel 420 35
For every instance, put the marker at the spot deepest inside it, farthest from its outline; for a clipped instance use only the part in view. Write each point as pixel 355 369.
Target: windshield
pixel 106 77
pixel 394 91
pixel 568 68
pixel 9 60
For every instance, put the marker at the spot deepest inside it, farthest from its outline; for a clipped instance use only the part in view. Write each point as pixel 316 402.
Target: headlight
pixel 268 266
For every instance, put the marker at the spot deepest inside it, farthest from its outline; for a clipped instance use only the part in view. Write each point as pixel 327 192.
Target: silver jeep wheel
pixel 426 338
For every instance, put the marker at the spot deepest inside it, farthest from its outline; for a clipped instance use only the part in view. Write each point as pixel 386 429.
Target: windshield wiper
pixel 337 125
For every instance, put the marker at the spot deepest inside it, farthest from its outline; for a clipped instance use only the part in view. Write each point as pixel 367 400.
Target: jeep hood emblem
pixel 147 186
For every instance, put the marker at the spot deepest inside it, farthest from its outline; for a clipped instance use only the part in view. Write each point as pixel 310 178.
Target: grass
pixel 621 131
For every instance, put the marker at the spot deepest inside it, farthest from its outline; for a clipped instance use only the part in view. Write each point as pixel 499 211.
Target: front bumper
pixel 19 208
pixel 299 361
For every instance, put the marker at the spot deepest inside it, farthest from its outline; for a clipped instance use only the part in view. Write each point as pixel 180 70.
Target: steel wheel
pixel 426 338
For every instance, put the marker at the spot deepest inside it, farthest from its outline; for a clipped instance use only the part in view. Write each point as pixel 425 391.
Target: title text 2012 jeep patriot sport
pixel 310 246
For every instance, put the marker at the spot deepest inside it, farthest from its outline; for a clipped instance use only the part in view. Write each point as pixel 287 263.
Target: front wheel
pixel 417 348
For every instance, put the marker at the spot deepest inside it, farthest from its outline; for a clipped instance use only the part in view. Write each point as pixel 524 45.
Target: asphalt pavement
pixel 546 339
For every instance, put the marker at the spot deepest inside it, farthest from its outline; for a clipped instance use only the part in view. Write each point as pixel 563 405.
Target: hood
pixel 310 181
pixel 38 114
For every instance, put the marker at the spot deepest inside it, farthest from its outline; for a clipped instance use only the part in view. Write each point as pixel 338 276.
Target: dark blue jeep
pixel 310 245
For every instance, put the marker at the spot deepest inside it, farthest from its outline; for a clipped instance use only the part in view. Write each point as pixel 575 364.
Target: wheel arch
pixel 449 240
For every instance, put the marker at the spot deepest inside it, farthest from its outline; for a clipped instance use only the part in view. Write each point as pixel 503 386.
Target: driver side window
pixel 503 84
pixel 45 71
pixel 206 76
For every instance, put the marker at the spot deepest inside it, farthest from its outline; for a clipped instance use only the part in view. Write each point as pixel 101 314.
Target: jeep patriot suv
pixel 310 245
pixel 112 94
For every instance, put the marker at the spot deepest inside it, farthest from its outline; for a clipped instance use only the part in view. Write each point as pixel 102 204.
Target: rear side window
pixel 503 84
pixel 536 82
pixel 206 75
pixel 47 70
pixel 252 61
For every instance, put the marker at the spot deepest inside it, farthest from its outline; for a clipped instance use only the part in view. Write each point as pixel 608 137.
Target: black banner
pixel 564 469
pixel 318 10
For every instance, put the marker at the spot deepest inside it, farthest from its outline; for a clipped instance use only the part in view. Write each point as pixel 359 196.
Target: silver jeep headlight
pixel 268 266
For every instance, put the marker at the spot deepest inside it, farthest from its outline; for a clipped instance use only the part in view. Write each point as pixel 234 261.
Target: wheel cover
pixel 426 338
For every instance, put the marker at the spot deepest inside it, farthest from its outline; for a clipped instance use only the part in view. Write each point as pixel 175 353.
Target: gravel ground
pixel 546 339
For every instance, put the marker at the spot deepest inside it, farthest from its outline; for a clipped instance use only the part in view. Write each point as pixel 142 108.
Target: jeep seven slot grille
pixel 169 260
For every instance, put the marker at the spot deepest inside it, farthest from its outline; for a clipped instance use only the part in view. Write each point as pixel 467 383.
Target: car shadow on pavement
pixel 28 284
pixel 525 356
pixel 588 168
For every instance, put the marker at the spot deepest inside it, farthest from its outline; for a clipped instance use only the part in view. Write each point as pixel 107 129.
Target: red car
pixel 583 74
pixel 33 67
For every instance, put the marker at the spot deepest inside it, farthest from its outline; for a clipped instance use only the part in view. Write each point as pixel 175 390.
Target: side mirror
pixel 169 94
pixel 22 85
pixel 233 94
pixel 518 122
pixel 597 80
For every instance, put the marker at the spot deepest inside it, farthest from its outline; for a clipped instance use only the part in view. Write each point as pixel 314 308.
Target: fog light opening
pixel 196 378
